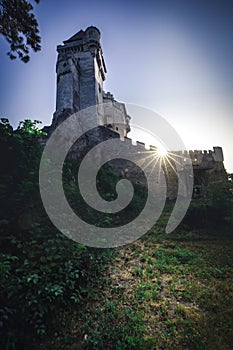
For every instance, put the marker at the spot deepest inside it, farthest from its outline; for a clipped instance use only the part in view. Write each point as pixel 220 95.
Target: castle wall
pixel 115 115
pixel 80 75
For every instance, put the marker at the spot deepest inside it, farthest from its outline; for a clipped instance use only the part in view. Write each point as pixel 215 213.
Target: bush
pixel 43 274
pixel 214 208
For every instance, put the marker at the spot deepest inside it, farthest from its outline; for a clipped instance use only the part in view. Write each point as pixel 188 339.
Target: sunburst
pixel 166 159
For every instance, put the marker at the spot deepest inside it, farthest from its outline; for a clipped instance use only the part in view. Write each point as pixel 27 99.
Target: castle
pixel 81 71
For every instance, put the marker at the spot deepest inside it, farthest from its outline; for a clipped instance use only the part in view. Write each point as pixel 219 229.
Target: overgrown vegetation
pixel 214 208
pixel 162 292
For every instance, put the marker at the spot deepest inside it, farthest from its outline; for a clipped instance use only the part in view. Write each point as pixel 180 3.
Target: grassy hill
pixel 164 291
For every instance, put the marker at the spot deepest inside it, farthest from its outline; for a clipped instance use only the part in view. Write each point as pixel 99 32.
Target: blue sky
pixel 174 57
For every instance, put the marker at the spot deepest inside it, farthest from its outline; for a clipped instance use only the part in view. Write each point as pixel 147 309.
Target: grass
pixel 162 292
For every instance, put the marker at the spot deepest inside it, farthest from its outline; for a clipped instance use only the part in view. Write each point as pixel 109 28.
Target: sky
pixel 171 56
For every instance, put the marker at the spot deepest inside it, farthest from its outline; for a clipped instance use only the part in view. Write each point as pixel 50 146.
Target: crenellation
pixel 202 158
pixel 81 72
pixel 127 140
pixel 141 145
pixel 153 148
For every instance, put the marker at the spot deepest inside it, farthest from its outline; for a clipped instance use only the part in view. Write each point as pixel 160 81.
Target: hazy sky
pixel 174 57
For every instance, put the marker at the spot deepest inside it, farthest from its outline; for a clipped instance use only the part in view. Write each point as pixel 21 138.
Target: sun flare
pixel 162 152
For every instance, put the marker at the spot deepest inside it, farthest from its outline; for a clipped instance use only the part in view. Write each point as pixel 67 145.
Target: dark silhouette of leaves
pixel 20 28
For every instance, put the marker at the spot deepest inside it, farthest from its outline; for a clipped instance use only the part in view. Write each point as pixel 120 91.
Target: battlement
pixel 201 159
pixel 81 72
pixel 108 96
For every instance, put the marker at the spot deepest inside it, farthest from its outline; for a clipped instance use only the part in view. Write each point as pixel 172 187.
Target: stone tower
pixel 81 72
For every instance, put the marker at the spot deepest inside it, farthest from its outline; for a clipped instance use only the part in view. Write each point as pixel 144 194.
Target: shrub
pixel 43 274
pixel 214 208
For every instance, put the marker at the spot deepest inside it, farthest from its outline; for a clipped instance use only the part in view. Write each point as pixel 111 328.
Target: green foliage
pixel 180 295
pixel 46 275
pixel 214 208
pixel 19 27
pixel 20 154
pixel 42 273
pixel 110 328
pixel 163 292
pixel 106 186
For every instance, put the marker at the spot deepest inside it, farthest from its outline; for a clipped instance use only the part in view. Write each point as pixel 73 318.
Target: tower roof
pixel 93 27
pixel 75 37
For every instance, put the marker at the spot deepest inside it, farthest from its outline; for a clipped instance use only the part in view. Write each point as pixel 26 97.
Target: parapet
pixel 201 159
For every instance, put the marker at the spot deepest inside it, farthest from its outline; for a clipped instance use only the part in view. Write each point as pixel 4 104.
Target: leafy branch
pixel 20 28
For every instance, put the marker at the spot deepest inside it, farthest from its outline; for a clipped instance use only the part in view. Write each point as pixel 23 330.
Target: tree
pixel 20 28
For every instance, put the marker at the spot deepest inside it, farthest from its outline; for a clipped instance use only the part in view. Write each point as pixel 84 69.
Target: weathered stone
pixel 81 72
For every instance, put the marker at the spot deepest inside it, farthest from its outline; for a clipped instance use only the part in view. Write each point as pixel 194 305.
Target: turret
pixel 92 35
pixel 81 72
pixel 218 154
